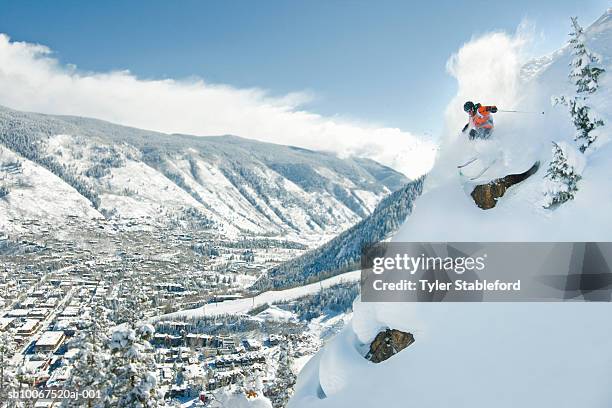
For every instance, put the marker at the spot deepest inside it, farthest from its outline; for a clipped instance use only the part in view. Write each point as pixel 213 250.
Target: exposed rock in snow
pixel 388 343
pixel 485 195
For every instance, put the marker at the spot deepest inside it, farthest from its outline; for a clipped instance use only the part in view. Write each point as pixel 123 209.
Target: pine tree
pixel 5 353
pixel 563 176
pixel 132 369
pixel 88 371
pixel 8 371
pixel 281 389
pixel 584 74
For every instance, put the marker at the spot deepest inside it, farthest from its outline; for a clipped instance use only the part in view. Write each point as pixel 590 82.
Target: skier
pixel 480 120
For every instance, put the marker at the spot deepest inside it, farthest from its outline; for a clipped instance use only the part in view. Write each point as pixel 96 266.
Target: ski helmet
pixel 468 106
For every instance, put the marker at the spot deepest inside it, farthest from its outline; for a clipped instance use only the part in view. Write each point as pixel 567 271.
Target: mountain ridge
pixel 237 183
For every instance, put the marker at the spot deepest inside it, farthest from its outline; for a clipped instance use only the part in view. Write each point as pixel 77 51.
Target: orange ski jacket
pixel 482 118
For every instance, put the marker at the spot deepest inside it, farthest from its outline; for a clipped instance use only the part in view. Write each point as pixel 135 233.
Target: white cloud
pixel 32 80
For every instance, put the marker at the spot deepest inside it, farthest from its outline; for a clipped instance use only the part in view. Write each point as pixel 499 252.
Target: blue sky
pixel 381 62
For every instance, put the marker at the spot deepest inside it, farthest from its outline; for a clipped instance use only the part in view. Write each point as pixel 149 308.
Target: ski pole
pixel 516 111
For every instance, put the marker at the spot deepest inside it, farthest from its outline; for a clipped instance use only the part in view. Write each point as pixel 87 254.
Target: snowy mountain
pixel 492 354
pixel 344 251
pixel 54 167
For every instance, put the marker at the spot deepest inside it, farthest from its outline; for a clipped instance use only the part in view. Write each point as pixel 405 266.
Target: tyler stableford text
pixel 441 286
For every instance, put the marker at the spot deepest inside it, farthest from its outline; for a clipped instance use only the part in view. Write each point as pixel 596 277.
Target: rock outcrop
pixel 387 343
pixel 485 195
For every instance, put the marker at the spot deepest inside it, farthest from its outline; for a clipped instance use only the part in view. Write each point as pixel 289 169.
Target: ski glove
pixel 493 109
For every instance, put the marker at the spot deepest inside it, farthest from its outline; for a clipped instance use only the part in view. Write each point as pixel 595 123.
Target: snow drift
pixel 493 354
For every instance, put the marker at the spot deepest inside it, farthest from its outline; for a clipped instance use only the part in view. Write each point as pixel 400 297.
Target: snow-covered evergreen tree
pixel 281 389
pixel 132 369
pixel 585 121
pixel 5 353
pixel 563 174
pixel 89 365
pixel 584 74
pixel 251 382
pixel 8 371
pixel 584 70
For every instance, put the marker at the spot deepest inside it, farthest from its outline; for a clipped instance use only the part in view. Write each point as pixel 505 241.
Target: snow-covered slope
pixel 234 184
pixel 244 305
pixel 491 354
pixel 343 252
pixel 37 194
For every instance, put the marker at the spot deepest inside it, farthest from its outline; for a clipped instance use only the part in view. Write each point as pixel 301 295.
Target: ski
pixel 469 162
pixel 483 170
